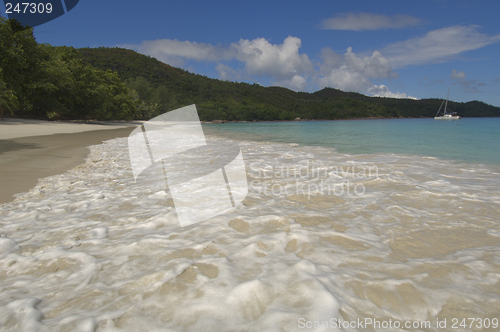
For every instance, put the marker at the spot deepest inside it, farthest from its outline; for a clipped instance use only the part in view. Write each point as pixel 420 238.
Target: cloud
pixel 457 76
pixel 296 83
pixel 368 21
pixel 437 46
pixel 349 72
pixel 383 91
pixel 282 62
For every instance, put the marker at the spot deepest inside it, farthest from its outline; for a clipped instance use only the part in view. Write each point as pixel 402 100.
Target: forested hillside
pixel 45 82
pixel 161 87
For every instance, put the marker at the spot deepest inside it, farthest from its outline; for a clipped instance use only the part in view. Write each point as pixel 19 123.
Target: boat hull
pixel 447 118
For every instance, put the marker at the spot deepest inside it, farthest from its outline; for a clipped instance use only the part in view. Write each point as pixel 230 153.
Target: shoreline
pixel 300 120
pixel 347 119
pixel 26 156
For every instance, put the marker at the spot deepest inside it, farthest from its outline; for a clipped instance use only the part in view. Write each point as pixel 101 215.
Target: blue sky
pixel 389 48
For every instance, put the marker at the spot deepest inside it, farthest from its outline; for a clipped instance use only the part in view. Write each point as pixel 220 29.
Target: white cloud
pixel 345 79
pixel 457 75
pixel 296 83
pixel 282 62
pixel 437 46
pixel 374 66
pixel 350 72
pixel 383 91
pixel 368 21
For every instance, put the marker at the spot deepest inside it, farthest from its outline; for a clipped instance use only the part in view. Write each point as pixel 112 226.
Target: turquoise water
pixel 469 139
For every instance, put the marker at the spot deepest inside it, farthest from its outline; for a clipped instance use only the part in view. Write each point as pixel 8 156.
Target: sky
pixel 401 49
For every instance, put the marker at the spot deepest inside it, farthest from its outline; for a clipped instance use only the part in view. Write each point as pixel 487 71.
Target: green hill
pixel 46 82
pixel 168 87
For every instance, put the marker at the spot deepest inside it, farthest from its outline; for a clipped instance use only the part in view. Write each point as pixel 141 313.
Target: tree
pixel 151 101
pixel 8 102
pixel 49 82
pixel 19 59
pixel 6 99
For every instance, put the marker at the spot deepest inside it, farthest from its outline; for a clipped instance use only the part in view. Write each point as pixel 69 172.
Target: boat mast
pixel 439 110
pixel 446 105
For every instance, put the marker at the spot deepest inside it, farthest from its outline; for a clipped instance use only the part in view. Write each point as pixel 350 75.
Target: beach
pixel 323 236
pixel 33 149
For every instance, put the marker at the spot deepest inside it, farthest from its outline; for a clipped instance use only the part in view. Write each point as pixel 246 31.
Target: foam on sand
pixel 93 249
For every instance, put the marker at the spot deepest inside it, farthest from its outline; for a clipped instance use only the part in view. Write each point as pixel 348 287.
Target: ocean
pixel 366 225
pixel 469 139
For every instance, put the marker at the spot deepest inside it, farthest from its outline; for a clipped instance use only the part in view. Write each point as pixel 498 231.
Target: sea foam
pixel 91 249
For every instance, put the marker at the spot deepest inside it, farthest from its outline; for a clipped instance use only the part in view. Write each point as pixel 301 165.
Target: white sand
pixel 15 128
pixel 34 149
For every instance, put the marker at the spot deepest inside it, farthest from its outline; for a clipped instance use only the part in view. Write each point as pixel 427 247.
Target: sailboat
pixel 446 115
